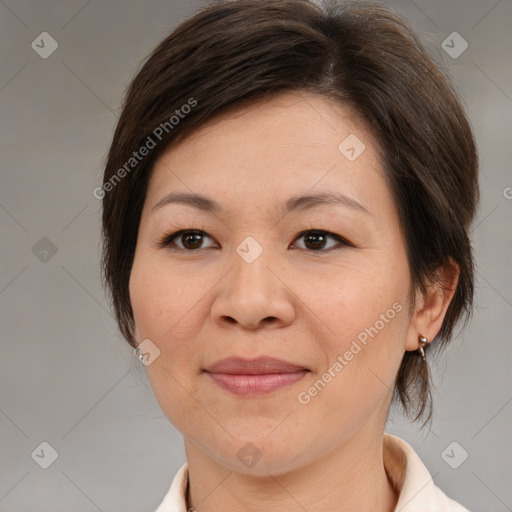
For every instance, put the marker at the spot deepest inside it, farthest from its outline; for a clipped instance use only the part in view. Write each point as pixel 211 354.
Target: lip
pixel 254 377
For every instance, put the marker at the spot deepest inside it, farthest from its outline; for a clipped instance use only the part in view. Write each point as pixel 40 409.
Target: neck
pixel 350 478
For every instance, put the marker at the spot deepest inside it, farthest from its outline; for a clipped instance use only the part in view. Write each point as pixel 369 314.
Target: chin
pixel 258 454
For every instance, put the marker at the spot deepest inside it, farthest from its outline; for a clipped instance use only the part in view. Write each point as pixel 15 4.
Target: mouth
pixel 254 377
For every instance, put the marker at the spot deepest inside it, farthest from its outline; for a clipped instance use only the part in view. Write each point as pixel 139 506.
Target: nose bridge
pixel 252 293
pixel 250 250
pixel 251 261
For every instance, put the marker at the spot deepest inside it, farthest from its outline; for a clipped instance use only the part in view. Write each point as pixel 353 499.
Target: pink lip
pixel 253 377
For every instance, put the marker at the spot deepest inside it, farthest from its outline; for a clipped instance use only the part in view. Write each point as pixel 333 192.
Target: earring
pixel 423 342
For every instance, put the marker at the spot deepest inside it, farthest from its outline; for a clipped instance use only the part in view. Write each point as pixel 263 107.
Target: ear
pixel 431 307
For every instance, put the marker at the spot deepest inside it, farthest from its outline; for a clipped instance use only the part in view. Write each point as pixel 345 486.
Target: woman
pixel 286 206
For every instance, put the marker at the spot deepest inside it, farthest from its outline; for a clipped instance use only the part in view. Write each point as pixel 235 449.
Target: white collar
pixel 411 478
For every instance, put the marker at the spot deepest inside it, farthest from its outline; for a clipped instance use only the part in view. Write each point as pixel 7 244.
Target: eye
pixel 190 239
pixel 316 240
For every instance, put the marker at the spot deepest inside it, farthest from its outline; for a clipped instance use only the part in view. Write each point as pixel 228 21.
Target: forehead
pixel 289 145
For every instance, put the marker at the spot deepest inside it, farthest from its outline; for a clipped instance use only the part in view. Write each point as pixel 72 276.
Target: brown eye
pixel 191 240
pixel 316 240
pixel 186 240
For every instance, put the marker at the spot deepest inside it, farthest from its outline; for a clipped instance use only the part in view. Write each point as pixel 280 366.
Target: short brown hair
pixel 363 55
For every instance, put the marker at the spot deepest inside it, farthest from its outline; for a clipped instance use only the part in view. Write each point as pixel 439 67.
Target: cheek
pixel 362 320
pixel 166 308
pixel 357 382
pixel 163 303
pixel 347 301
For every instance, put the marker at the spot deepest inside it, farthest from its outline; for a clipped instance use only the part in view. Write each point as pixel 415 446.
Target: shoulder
pixel 411 478
pixel 446 503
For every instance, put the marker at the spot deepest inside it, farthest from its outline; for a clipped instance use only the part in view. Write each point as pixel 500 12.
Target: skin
pixel 294 302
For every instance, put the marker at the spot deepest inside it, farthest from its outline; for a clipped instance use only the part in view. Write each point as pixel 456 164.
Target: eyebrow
pixel 295 203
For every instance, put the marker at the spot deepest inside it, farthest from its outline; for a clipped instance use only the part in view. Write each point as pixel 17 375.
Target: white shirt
pixel 412 480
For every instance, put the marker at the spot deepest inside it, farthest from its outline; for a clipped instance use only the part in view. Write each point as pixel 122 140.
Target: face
pixel 279 321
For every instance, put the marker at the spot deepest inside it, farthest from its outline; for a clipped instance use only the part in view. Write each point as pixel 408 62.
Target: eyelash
pixel 169 239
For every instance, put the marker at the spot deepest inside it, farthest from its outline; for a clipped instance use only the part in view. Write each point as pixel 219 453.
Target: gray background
pixel 67 377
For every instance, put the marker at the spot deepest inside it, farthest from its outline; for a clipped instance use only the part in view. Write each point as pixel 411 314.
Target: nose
pixel 254 295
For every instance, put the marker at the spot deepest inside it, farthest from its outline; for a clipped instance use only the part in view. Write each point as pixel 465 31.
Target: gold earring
pixel 423 342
